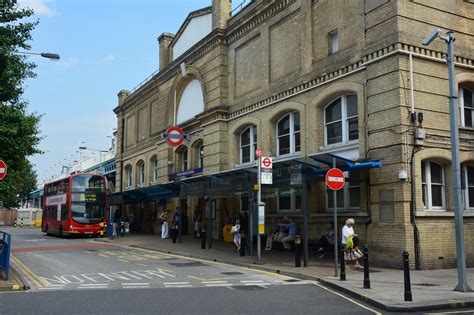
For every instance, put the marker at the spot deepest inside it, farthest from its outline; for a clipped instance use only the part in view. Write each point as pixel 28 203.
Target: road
pixel 81 276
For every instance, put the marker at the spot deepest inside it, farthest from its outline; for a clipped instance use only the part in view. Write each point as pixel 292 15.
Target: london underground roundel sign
pixel 3 170
pixel 174 136
pixel 335 179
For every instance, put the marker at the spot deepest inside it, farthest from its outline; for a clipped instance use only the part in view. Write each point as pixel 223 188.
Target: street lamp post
pixel 50 56
pixel 455 162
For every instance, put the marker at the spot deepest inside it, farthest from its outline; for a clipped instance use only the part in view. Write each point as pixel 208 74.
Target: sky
pixel 105 46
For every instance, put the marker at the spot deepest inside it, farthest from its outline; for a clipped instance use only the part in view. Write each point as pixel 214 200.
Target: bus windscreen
pixel 88 199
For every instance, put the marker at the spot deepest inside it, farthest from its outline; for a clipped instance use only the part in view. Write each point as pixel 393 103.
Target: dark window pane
pixel 334 133
pixel 436 173
pixel 297 142
pixel 471 197
pixel 244 203
pixel 467 98
pixel 423 172
pixel 468 117
pixel 354 197
pixel 254 134
pixel 284 202
pixel 245 154
pixel 297 202
pixel 353 129
pixel 351 105
pixel 354 178
pixel 245 137
pixel 284 145
pixel 436 195
pixel 333 111
pixel 296 121
pixel 424 195
pixel 340 198
pixel 284 126
pixel 470 176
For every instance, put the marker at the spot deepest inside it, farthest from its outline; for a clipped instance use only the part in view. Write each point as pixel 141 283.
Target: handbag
pixel 235 229
pixel 349 243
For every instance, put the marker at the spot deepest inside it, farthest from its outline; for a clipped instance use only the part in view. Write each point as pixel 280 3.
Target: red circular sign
pixel 267 162
pixel 259 153
pixel 175 136
pixel 335 179
pixel 3 170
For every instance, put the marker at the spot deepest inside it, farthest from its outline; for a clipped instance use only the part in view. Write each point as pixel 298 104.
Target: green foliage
pixel 18 129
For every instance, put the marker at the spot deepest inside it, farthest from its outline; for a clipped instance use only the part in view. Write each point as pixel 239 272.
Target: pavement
pixel 431 289
pixel 15 282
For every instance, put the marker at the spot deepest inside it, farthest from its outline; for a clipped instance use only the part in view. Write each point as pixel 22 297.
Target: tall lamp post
pixel 50 56
pixel 455 163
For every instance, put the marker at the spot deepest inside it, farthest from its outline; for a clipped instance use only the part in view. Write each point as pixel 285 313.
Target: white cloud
pixel 107 58
pixel 68 63
pixel 40 7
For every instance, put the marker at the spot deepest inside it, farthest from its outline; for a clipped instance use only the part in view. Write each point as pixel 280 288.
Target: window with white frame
pixel 466 107
pixel 469 192
pixel 288 134
pixel 289 200
pixel 348 198
pixel 333 38
pixel 201 156
pixel 432 181
pixel 141 174
pixel 128 171
pixel 248 145
pixel 154 170
pixel 184 160
pixel 341 120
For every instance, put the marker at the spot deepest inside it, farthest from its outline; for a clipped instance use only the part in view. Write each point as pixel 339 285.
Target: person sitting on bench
pixel 292 231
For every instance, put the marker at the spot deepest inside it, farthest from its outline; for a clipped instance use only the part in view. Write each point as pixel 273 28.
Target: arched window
pixel 191 102
pixel 128 172
pixel 341 121
pixel 248 145
pixel 141 173
pixel 433 191
pixel 184 160
pixel 466 107
pixel 154 169
pixel 288 134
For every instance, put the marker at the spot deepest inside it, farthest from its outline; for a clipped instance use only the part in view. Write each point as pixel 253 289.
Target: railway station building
pixel 310 83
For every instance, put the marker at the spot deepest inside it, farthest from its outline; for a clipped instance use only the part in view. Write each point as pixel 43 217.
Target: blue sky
pixel 105 46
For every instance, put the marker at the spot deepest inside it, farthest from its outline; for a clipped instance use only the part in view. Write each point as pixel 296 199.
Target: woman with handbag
pixel 350 243
pixel 236 232
pixel 165 226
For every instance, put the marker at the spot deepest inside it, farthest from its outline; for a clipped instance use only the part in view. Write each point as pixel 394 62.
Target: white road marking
pixel 251 281
pixel 94 284
pixel 213 282
pixel 51 288
pixel 179 286
pixel 136 283
pixel 104 287
pixel 175 283
pixel 219 285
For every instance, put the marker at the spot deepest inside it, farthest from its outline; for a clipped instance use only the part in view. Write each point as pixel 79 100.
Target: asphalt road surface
pixel 81 276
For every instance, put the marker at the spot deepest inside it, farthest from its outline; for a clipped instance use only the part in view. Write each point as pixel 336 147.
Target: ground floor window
pixel 468 173
pixel 348 198
pixel 289 200
pixel 433 190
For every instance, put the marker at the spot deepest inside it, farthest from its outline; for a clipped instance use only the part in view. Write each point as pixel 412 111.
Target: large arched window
pixel 141 173
pixel 200 153
pixel 433 191
pixel 128 173
pixel 341 121
pixel 191 102
pixel 248 145
pixel 288 134
pixel 184 160
pixel 466 107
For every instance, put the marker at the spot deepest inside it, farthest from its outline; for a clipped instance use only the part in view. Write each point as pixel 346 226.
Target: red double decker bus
pixel 76 204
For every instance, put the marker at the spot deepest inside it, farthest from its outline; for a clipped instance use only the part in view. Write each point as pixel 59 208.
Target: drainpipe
pixel 416 233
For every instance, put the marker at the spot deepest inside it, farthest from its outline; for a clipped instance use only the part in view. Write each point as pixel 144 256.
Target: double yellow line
pixel 40 283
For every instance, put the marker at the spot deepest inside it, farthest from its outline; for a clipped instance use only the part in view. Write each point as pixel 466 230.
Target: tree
pixel 19 131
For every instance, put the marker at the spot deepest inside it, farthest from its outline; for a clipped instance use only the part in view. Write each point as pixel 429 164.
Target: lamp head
pixel 431 37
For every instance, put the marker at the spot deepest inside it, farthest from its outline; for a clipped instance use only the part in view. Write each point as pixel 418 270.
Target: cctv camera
pixel 402 175
pixel 430 38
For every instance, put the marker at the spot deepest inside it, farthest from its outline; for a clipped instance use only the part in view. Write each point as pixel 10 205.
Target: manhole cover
pixel 190 264
pixel 248 287
pixel 291 280
pixel 427 284
pixel 232 273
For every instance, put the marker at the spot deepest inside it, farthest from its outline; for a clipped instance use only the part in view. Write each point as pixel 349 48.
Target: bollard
pixel 203 239
pixel 14 223
pixel 173 234
pixel 366 267
pixel 21 222
pixel 406 272
pixel 297 251
pixel 342 276
pixel 243 245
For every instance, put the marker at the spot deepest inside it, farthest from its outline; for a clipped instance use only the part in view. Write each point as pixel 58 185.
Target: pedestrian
pixel 351 251
pixel 244 230
pixel 197 219
pixel 165 226
pixel 117 223
pixel 292 230
pixel 176 219
pixel 236 232
pixel 327 240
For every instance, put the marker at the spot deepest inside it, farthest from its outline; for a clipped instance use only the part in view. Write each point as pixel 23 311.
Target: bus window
pixel 87 183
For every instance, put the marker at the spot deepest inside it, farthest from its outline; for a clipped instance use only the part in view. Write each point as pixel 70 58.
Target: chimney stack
pixel 221 10
pixel 122 95
pixel 166 55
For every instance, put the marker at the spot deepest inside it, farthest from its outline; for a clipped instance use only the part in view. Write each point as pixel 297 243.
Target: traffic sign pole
pixel 259 201
pixel 334 219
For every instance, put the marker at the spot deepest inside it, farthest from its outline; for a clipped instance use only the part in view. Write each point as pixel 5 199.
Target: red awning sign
pixel 174 136
pixel 335 179
pixel 3 170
